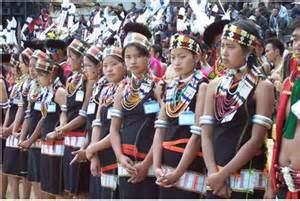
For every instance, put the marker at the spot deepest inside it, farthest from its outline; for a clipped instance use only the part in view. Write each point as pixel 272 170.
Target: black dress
pixel 51 172
pixel 34 152
pixel 2 110
pixel 229 137
pixel 192 184
pixel 108 161
pixel 137 137
pixel 76 176
pixel 14 159
pixel 95 182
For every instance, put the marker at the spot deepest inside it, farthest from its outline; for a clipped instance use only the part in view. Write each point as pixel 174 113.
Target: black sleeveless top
pixel 74 107
pixel 177 132
pixel 138 127
pixel 51 120
pixel 13 106
pixel 107 156
pixel 7 92
pixel 229 137
pixel 35 116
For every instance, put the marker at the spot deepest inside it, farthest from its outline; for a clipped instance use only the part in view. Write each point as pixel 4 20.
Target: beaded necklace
pixel 47 95
pixel 74 83
pixel 18 87
pixel 179 96
pixel 136 90
pixel 34 91
pixel 227 100
pixel 97 88
pixel 107 94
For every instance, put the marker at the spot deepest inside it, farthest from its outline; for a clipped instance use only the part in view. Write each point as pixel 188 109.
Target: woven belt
pixel 190 181
pixel 74 139
pixel 12 141
pixel 122 172
pixel 55 148
pixel 109 181
pixel 248 180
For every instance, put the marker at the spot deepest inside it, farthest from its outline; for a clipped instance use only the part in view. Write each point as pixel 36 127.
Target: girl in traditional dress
pixel 15 160
pixel 135 107
pixel 177 130
pixel 92 62
pixel 237 116
pixel 79 90
pixel 4 103
pixel 52 107
pixel 31 128
pixel 114 71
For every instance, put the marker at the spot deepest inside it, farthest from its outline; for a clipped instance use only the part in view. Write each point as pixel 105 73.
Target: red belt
pixel 132 150
pixel 53 142
pixel 75 133
pixel 109 167
pixel 170 145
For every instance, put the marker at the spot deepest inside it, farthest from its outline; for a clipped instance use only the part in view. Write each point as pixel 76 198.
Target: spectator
pixel 133 8
pixel 120 11
pixel 233 12
pixel 97 9
pixel 274 52
pixel 156 65
pixel 143 8
pixel 245 12
pixel 264 10
pixel 261 20
pixel 296 10
pixel 282 12
pixel 277 25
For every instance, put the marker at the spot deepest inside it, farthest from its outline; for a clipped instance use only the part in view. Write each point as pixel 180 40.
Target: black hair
pixel 137 27
pixel 141 49
pixel 25 59
pixel 92 59
pixel 157 49
pixel 75 52
pixel 60 73
pixel 277 44
pixel 249 27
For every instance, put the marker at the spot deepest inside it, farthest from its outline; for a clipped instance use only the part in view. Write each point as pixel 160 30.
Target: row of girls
pixel 117 126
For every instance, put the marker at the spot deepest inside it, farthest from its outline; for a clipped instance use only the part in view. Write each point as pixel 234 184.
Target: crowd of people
pixel 154 102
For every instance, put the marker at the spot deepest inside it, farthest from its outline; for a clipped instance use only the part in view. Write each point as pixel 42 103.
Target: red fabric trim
pixel 75 133
pixel 280 118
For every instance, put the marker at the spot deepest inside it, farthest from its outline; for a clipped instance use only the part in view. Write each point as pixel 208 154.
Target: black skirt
pixel 147 189
pixel 34 164
pixel 2 150
pixel 51 174
pixel 15 161
pixel 76 176
pixel 95 189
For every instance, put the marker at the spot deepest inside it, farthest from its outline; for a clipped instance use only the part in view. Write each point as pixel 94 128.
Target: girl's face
pixel 44 79
pixel 183 62
pixel 135 61
pixel 32 71
pixel 91 70
pixel 113 69
pixel 73 60
pixel 232 54
pixel 23 67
